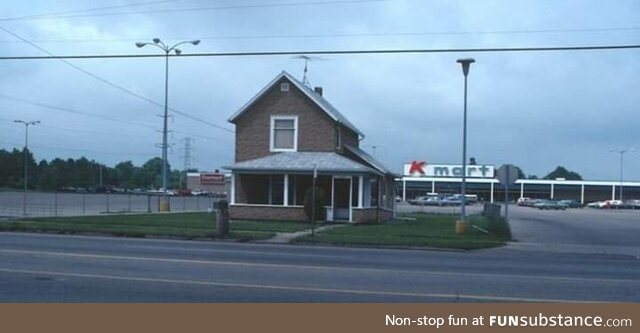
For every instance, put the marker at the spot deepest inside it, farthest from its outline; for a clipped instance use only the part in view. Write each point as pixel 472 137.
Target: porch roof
pixel 302 162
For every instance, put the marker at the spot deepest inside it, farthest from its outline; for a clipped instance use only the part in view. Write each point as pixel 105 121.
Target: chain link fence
pixel 50 204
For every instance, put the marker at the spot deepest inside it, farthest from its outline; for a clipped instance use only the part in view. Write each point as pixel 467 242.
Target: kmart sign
pixel 422 169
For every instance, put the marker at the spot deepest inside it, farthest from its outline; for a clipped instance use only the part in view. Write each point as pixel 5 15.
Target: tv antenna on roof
pixel 306 58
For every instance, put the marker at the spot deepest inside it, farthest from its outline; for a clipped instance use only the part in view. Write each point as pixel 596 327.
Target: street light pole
pixel 461 225
pixel 26 164
pixel 167 50
pixel 621 152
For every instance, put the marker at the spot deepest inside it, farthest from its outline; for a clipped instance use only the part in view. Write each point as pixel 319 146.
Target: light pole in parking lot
pixel 167 50
pixel 622 152
pixel 461 225
pixel 26 164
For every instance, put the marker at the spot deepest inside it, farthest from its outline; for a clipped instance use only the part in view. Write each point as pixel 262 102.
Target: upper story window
pixel 284 133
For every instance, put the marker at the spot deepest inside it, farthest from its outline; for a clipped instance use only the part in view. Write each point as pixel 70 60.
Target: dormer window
pixel 284 133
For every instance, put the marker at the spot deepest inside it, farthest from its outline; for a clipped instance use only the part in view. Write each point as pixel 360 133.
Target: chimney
pixel 318 90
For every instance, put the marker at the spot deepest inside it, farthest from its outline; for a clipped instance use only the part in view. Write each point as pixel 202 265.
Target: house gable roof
pixel 322 103
pixel 370 160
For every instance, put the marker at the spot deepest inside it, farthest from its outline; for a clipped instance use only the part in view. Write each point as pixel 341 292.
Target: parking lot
pixel 580 226
pixel 583 229
pixel 73 204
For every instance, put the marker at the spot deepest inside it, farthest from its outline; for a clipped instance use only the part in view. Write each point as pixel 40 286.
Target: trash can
pixel 491 211
pixel 222 218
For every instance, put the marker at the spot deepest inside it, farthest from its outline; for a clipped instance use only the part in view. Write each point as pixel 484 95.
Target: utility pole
pixel 461 225
pixel 164 205
pixel 622 152
pixel 26 162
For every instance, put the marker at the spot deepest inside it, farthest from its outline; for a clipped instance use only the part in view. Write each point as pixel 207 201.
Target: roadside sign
pixel 212 179
pixel 507 174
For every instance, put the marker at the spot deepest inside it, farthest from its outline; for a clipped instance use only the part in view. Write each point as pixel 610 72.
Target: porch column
pixel 380 192
pixel 360 191
pixel 333 189
pixel 582 194
pixel 286 190
pixel 233 188
pixel 521 190
pixel 492 192
pixel 552 190
pixel 404 190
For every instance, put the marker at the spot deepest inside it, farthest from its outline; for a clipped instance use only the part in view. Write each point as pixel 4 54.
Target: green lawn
pixel 426 230
pixel 182 225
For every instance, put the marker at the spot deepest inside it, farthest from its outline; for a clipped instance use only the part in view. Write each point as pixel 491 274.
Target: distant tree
pixel 562 172
pixel 472 161
pixel 124 174
pixel 532 177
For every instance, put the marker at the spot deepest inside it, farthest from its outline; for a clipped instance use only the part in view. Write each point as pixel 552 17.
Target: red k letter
pixel 416 166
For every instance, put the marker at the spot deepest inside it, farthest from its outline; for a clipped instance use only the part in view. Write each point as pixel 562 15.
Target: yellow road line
pixel 291 266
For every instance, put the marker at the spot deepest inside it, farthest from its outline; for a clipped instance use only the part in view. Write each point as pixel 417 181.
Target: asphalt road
pixel 52 268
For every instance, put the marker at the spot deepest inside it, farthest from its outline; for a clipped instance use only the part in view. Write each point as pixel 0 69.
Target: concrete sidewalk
pixel 286 237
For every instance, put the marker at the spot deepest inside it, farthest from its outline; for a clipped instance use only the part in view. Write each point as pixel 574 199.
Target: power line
pixel 75 131
pixel 123 89
pixel 93 115
pixel 63 109
pixel 341 35
pixel 201 9
pixel 333 52
pixel 42 15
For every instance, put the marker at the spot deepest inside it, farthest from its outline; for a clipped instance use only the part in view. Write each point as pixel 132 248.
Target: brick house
pixel 282 134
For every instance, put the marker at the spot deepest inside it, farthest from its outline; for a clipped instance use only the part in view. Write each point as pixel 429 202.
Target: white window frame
pixel 272 132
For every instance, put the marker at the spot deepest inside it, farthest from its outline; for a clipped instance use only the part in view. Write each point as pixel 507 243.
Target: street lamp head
pixel 156 40
pixel 466 62
pixel 195 42
pixel 140 44
pixel 178 51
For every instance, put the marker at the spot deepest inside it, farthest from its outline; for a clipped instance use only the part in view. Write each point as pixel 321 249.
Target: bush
pixel 319 203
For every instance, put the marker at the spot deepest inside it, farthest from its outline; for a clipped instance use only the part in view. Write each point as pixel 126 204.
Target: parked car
pixel 523 201
pixel 185 192
pixel 550 204
pixel 598 204
pixel 529 202
pixel 608 204
pixel 422 201
pixel 633 204
pixel 451 201
pixel 571 203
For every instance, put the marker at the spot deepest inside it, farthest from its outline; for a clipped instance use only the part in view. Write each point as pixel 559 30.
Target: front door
pixel 341 199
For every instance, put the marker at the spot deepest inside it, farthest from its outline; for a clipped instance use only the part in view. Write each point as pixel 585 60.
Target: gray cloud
pixel 535 110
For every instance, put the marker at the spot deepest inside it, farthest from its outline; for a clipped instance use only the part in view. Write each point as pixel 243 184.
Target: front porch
pixel 349 198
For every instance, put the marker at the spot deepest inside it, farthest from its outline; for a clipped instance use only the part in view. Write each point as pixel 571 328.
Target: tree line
pixel 81 173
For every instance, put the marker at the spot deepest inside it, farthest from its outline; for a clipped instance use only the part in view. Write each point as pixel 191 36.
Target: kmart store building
pixel 420 178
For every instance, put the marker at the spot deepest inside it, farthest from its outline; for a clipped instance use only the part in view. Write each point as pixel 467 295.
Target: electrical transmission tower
pixel 186 156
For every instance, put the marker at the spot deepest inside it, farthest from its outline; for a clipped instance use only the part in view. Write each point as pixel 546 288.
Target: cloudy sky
pixel 535 110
